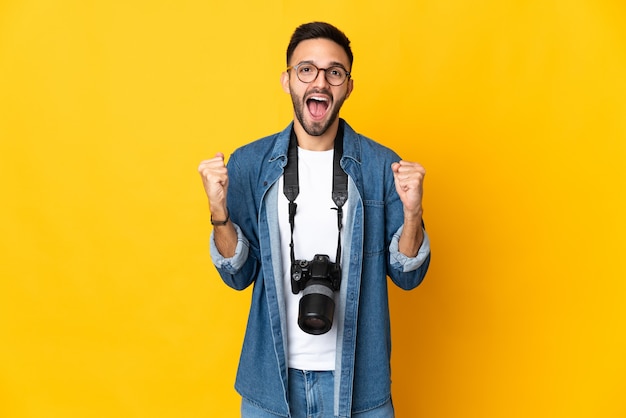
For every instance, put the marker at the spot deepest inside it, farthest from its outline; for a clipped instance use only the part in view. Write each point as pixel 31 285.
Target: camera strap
pixel 291 187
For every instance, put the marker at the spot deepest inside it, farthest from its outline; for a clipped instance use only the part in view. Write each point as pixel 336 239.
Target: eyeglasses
pixel 307 73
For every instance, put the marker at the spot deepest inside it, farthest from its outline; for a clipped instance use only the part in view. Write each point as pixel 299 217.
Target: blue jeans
pixel 311 395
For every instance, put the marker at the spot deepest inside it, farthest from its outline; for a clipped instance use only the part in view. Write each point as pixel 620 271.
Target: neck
pixel 324 142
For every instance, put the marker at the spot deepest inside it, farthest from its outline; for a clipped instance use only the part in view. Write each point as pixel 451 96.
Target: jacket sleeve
pixel 403 262
pixel 408 272
pixel 239 270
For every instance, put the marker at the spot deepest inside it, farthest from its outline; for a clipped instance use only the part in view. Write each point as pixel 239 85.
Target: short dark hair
pixel 316 30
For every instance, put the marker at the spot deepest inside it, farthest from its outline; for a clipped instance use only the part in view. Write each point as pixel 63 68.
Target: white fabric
pixel 315 233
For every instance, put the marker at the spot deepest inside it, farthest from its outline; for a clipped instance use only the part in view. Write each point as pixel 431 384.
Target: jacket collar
pixel 351 144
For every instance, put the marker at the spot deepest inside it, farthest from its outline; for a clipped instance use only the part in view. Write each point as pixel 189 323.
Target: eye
pixel 335 71
pixel 307 68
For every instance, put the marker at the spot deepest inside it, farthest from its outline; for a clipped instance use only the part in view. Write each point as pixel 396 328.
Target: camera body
pixel 317 279
pixel 319 269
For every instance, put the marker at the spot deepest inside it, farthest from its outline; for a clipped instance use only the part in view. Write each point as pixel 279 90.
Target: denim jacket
pixel 362 371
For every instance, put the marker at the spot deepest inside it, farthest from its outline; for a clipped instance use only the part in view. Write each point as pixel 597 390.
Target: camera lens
pixel 317 309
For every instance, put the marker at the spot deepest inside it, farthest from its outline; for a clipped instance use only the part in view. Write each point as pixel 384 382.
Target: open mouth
pixel 317 106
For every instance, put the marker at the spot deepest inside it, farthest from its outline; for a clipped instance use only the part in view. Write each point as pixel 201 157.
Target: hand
pixel 215 179
pixel 409 179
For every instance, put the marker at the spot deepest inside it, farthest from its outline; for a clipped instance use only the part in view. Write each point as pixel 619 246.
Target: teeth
pixel 319 99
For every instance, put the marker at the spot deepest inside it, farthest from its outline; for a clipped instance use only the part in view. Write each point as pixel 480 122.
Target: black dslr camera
pixel 317 279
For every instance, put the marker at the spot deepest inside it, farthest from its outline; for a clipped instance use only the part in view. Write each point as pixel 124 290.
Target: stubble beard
pixel 315 128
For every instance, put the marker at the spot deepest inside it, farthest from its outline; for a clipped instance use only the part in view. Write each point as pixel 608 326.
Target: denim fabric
pixel 362 371
pixel 311 395
pixel 251 410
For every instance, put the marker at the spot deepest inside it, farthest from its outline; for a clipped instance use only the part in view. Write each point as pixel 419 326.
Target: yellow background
pixel 109 305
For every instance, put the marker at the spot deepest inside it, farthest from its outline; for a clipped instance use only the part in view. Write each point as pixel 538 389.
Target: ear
pixel 350 87
pixel 284 81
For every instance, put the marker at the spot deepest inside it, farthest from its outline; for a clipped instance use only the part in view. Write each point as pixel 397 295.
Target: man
pixel 317 342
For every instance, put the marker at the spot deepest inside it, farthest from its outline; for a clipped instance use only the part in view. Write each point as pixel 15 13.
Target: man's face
pixel 316 104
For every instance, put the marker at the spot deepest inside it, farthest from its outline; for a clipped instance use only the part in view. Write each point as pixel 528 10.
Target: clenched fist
pixel 409 179
pixel 215 179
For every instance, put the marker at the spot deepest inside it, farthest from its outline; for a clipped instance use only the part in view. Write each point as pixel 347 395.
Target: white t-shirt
pixel 315 232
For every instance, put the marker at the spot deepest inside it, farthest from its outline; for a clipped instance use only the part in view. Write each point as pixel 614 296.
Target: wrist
pixel 413 217
pixel 218 210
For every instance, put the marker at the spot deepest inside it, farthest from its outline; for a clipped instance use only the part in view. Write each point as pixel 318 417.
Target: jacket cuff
pixel 234 263
pixel 401 261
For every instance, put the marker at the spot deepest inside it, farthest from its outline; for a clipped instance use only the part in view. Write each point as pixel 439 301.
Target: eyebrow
pixel 332 64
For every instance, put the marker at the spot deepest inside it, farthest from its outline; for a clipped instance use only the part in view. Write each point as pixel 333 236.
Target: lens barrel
pixel 317 308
